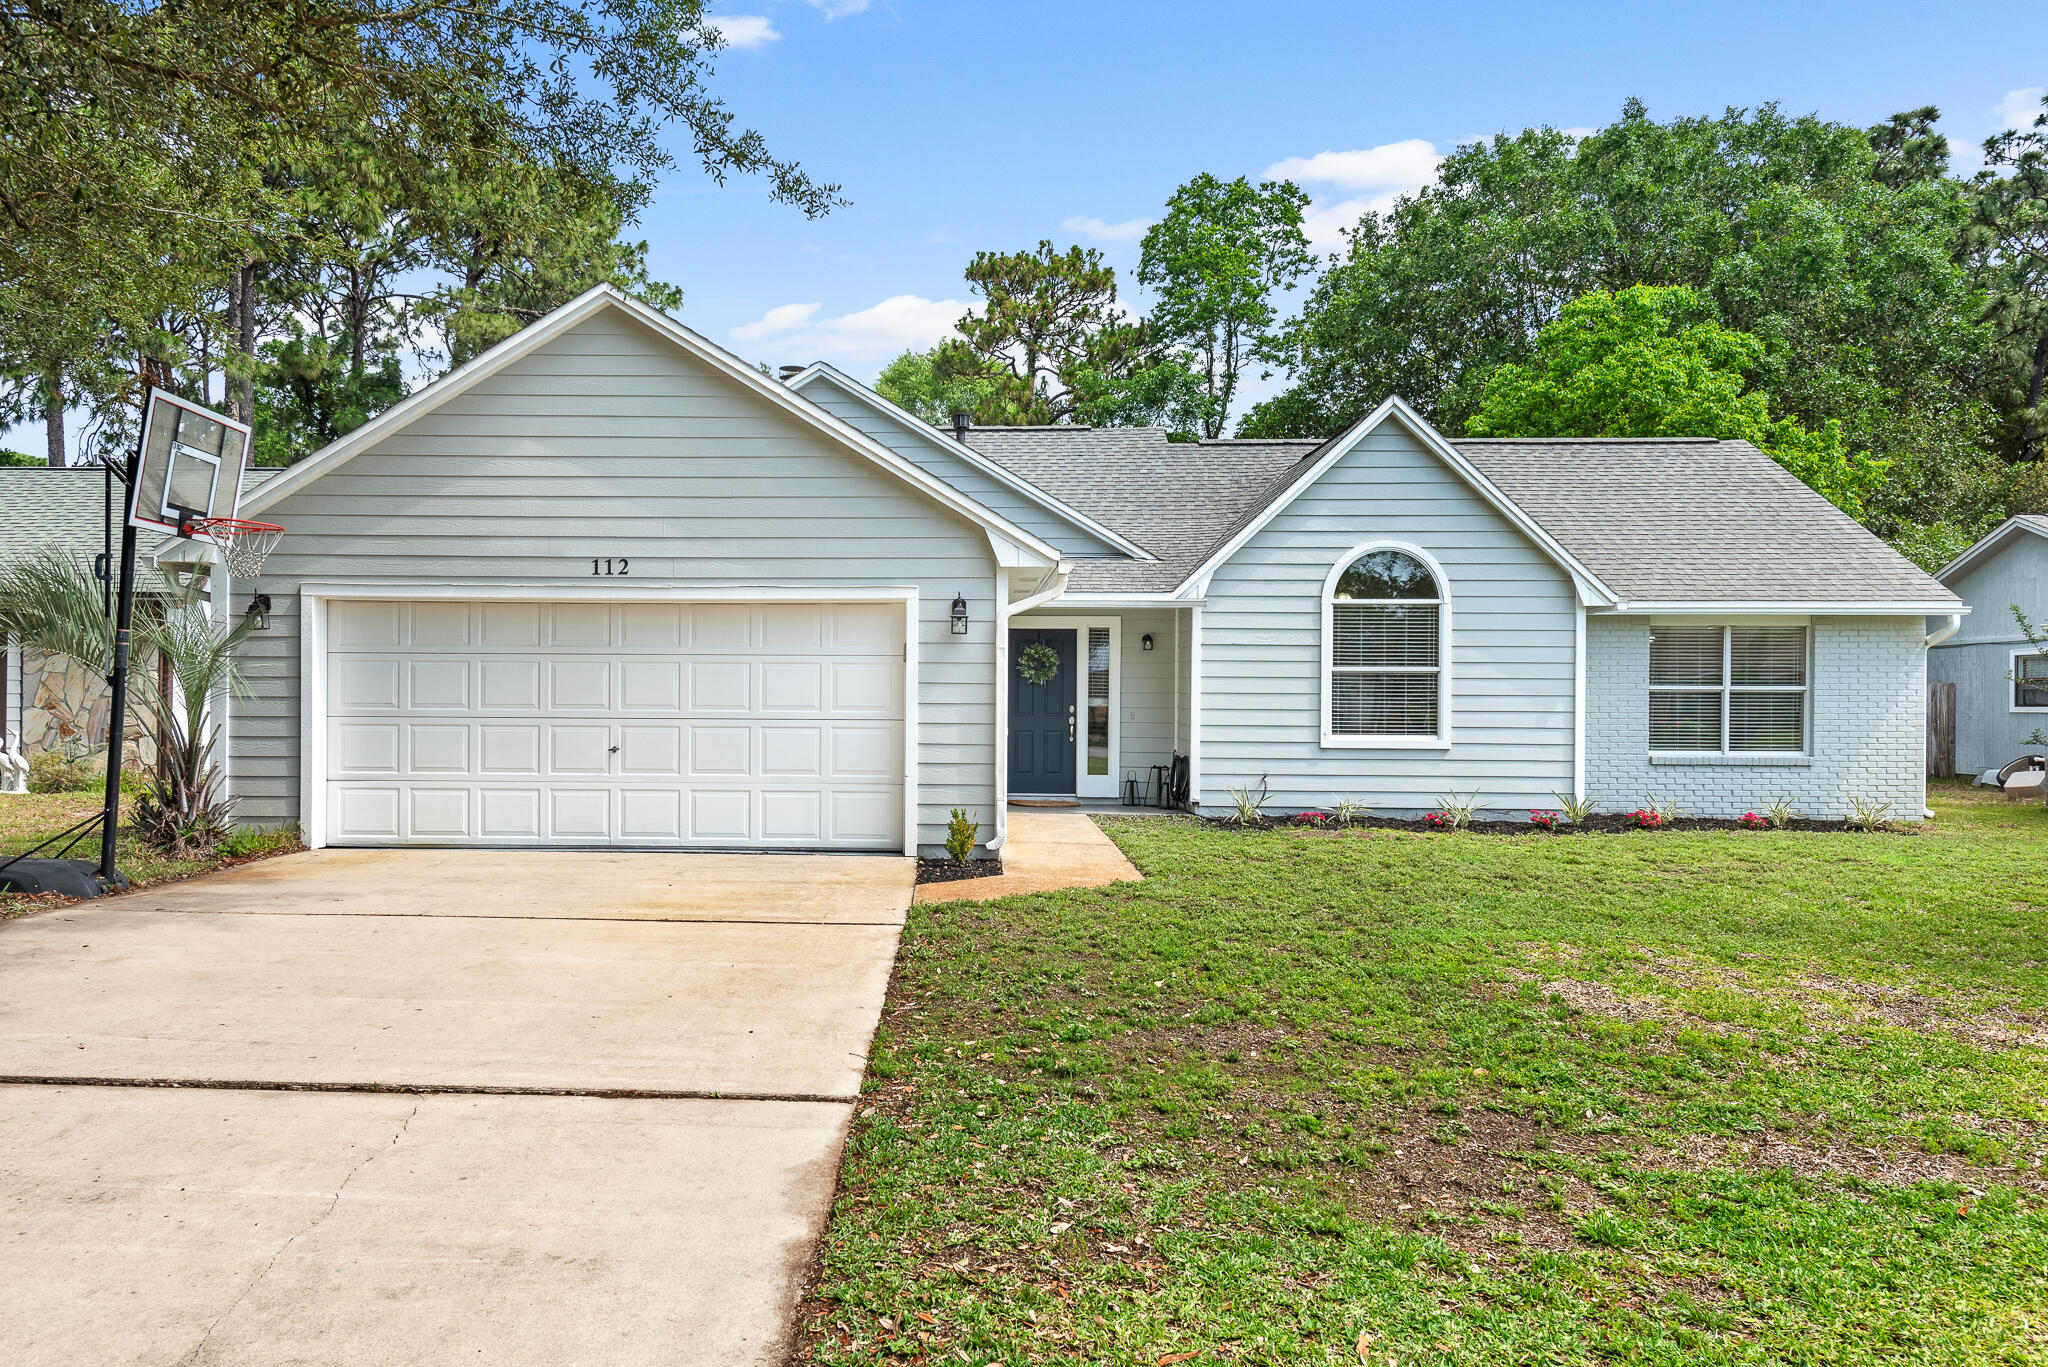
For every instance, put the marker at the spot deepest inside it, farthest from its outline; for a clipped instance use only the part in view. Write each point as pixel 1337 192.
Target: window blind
pixel 1728 689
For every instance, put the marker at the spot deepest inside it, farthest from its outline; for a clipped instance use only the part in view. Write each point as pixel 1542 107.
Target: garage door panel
pixel 438 813
pixel 580 815
pixel 579 686
pixel 438 685
pixel 439 749
pixel 720 725
pixel 509 686
pixel 792 685
pixel 509 814
pixel 721 686
pixel 363 748
pixel 366 685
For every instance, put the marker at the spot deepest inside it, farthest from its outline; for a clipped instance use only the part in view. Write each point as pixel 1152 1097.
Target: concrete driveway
pixel 388 1107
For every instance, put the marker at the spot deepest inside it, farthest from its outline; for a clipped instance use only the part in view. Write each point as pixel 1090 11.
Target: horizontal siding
pixel 934 458
pixel 1978 658
pixel 608 442
pixel 1512 647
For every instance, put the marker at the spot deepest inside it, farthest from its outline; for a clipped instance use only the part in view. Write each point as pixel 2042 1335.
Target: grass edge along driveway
pixel 1312 1097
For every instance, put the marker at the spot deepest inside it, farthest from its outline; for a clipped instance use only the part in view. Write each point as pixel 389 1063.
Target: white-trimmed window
pixel 2029 681
pixel 1728 689
pixel 1386 620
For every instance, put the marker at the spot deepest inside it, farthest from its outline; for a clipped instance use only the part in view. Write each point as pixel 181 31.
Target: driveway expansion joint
pixel 422 1089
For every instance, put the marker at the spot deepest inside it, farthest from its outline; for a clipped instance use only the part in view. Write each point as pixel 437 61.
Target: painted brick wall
pixel 1869 727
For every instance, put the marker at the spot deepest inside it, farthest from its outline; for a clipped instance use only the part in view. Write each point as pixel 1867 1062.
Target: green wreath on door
pixel 1038 663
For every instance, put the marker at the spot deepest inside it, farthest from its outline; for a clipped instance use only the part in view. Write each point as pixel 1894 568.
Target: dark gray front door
pixel 1042 718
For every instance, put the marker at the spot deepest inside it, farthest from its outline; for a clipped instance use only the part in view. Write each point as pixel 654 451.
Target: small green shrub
pixel 1780 813
pixel 249 841
pixel 1249 806
pixel 1345 810
pixel 1574 809
pixel 1458 809
pixel 1865 815
pixel 961 831
pixel 55 772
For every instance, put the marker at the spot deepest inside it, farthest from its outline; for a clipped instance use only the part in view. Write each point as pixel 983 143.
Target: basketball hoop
pixel 244 545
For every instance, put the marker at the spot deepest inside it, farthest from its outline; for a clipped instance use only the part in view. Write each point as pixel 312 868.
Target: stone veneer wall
pixel 64 707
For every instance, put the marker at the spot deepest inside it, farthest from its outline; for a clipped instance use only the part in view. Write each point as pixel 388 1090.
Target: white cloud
pixel 2019 107
pixel 1130 230
pixel 745 30
pixel 776 321
pixel 868 335
pixel 838 9
pixel 1384 173
pixel 1405 165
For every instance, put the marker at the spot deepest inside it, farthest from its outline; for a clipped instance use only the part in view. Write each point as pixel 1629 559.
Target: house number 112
pixel 609 566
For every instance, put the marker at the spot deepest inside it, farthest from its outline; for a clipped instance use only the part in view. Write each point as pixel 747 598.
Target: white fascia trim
pixel 1130 600
pixel 1817 609
pixel 585 305
pixel 999 473
pixel 314 599
pixel 1590 588
pixel 1990 542
pixel 1046 595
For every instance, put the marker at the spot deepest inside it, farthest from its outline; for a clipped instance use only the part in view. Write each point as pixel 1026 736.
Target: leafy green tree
pixel 942 381
pixel 18 458
pixel 1215 261
pixel 1651 361
pixel 2007 242
pixel 1832 246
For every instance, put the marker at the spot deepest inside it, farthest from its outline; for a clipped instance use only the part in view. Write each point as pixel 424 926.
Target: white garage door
pixel 768 725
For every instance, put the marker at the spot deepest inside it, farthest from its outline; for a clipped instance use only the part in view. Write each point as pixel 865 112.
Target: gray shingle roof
pixel 1176 499
pixel 42 505
pixel 1695 519
pixel 1658 520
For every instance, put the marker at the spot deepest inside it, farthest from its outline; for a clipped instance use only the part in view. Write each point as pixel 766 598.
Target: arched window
pixel 1385 621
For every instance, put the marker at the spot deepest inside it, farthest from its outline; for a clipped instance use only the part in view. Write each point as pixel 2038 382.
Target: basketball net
pixel 244 545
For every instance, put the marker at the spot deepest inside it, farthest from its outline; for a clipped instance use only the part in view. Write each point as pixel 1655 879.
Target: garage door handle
pixel 615 750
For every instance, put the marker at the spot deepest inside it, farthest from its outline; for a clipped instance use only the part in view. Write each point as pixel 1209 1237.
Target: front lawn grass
pixel 27 819
pixel 1315 1097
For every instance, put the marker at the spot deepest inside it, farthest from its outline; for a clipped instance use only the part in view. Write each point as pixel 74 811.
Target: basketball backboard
pixel 189 467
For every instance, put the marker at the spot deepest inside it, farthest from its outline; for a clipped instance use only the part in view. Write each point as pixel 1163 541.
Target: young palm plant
pixel 51 600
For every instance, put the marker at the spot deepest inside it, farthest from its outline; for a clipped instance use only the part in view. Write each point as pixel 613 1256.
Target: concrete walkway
pixel 1049 849
pixel 387 1107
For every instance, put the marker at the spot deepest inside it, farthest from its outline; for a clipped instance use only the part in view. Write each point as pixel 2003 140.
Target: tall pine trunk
pixel 53 416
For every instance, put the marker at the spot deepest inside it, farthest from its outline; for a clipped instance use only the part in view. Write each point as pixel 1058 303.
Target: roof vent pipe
pixel 789 372
pixel 961 422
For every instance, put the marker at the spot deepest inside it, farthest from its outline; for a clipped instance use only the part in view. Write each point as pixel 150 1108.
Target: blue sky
pixel 955 127
pixel 960 126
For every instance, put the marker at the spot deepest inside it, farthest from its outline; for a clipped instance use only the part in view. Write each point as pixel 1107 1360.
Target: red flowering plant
pixel 1440 821
pixel 1312 819
pixel 1752 821
pixel 1646 818
pixel 1543 821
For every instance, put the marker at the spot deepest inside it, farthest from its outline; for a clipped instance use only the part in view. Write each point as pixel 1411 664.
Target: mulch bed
pixel 946 871
pixel 1606 823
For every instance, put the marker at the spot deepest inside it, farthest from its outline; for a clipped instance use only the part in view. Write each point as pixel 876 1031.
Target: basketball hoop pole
pixel 117 709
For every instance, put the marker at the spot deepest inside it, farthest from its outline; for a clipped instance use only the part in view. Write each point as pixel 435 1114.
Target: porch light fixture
pixel 258 615
pixel 959 615
pixel 1146 640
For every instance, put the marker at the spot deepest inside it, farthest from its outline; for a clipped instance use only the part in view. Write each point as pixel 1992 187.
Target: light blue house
pixel 2001 681
pixel 608 584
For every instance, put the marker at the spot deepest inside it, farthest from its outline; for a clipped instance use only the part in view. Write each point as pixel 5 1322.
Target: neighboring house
pixel 52 702
pixel 609 584
pixel 2001 681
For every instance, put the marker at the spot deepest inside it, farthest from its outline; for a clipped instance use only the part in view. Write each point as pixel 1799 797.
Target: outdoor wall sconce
pixel 959 615
pixel 1146 640
pixel 258 615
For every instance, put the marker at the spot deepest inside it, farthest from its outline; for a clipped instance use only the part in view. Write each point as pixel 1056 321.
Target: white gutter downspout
pixel 1935 638
pixel 1056 577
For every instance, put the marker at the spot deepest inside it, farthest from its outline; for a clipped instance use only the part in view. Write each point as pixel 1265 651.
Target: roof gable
pixel 1291 482
pixel 591 303
pixel 821 373
pixel 1996 540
